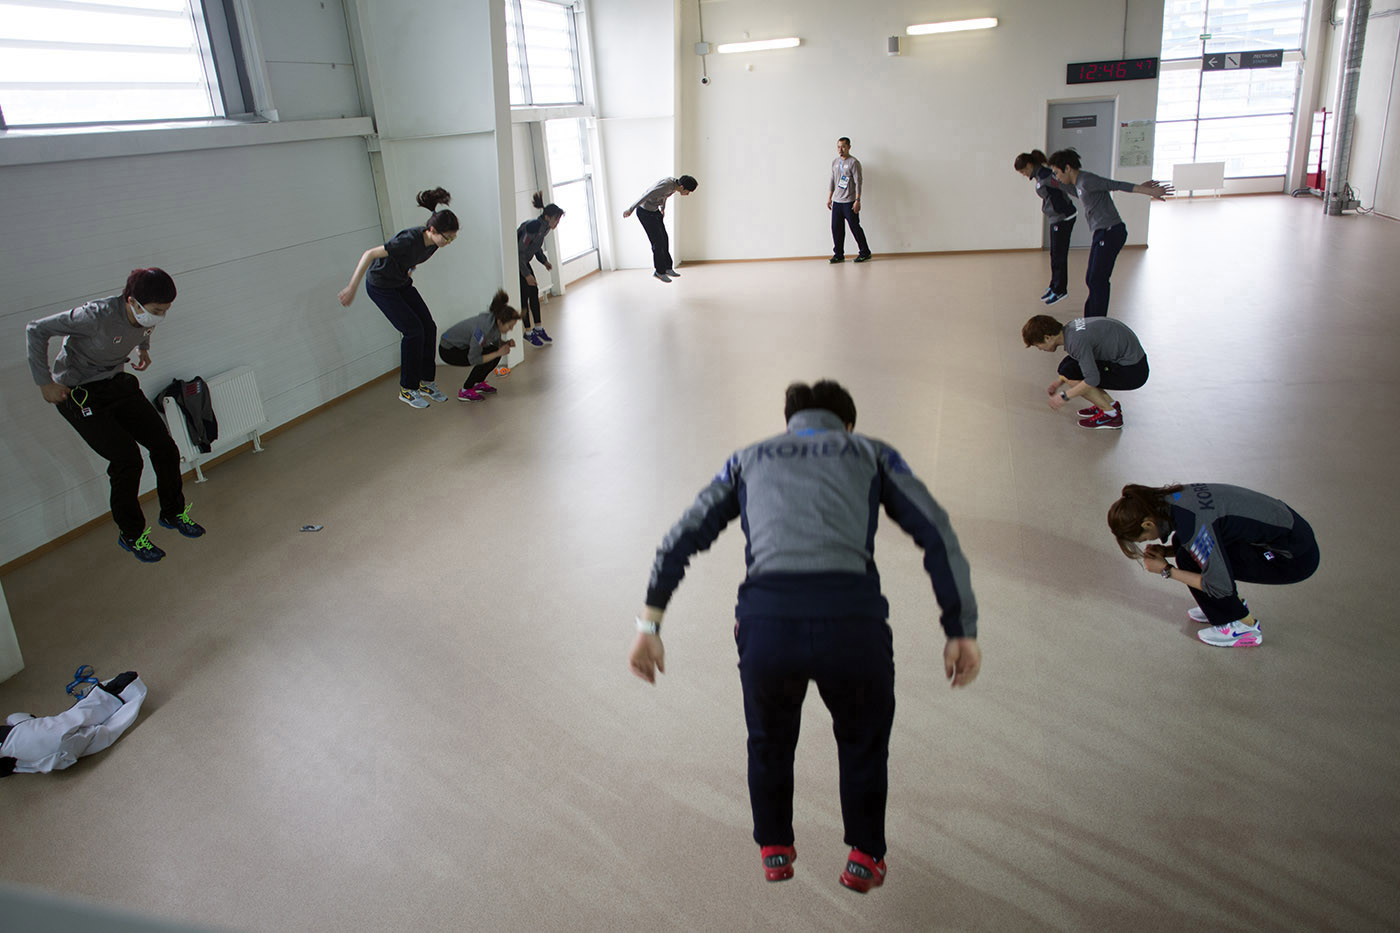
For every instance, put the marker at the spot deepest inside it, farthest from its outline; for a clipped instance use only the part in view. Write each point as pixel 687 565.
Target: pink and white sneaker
pixel 484 388
pixel 468 395
pixel 1234 635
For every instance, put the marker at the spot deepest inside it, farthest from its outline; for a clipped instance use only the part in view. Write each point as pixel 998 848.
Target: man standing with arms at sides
pixel 843 200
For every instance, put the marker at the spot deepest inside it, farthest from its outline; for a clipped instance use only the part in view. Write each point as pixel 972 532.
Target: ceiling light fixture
pixel 959 25
pixel 762 45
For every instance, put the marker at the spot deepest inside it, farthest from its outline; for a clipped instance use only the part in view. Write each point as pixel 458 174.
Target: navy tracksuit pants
pixel 1289 561
pixel 409 314
pixel 1103 253
pixel 852 662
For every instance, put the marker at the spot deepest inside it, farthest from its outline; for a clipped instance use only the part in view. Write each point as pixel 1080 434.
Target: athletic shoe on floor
pixel 865 258
pixel 430 390
pixel 1112 420
pixel 662 276
pixel 412 399
pixel 1091 412
pixel 673 273
pixel 539 332
pixel 503 371
pixel 533 339
pixel 485 388
pixel 145 551
pixel 183 523
pixel 835 259
pixel 777 862
pixel 469 395
pixel 1195 614
pixel 1056 298
pixel 1048 293
pixel 1234 635
pixel 862 872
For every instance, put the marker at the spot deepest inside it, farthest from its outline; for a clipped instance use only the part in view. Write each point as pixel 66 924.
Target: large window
pixel 1244 116
pixel 104 61
pixel 542 51
pixel 571 176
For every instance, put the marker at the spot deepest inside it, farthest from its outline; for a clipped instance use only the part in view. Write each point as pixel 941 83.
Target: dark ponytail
pixel 1137 505
pixel 1063 159
pixel 550 210
pixel 826 395
pixel 443 221
pixel 501 309
pixel 149 286
pixel 1035 157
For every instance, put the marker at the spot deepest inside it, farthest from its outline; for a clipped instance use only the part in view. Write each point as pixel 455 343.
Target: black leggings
pixel 455 356
pixel 529 302
pixel 409 314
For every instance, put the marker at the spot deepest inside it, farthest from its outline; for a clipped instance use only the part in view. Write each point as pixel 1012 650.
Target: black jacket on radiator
pixel 192 398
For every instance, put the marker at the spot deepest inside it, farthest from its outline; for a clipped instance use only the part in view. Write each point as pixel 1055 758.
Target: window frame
pixel 575 54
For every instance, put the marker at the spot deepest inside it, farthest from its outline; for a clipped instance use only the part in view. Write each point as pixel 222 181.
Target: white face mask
pixel 143 317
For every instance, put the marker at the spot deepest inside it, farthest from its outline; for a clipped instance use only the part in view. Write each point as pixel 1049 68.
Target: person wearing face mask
pixel 389 284
pixel 105 405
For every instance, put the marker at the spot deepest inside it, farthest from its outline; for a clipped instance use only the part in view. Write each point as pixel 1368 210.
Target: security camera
pixel 705 79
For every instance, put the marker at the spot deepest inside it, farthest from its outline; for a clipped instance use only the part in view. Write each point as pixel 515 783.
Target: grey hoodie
pixel 97 339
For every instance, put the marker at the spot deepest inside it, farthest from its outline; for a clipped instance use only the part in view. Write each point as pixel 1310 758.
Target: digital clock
pixel 1119 69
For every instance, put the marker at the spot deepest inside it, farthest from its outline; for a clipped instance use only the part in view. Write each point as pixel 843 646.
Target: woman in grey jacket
pixel 1059 210
pixel 476 342
pixel 529 239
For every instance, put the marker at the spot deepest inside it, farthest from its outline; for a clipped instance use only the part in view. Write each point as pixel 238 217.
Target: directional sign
pixel 1229 61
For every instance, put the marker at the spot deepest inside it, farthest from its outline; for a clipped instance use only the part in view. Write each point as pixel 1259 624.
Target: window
pixel 104 61
pixel 571 179
pixel 542 52
pixel 1243 117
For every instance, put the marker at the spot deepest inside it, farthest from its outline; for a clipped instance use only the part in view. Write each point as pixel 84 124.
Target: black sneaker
pixel 673 273
pixel 865 258
pixel 145 551
pixel 835 259
pixel 183 524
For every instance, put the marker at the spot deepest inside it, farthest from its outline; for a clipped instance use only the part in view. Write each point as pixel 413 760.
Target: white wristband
pixel 647 627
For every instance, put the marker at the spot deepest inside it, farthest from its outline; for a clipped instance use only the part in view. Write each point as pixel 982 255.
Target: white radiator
pixel 1198 176
pixel 238 409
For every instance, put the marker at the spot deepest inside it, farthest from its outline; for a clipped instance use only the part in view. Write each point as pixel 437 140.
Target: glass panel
pixel 549 53
pixel 517 80
pixel 1247 145
pixel 1183 21
pixel 1177 90
pixel 1242 25
pixel 568 151
pixel 575 230
pixel 1249 91
pixel 1175 144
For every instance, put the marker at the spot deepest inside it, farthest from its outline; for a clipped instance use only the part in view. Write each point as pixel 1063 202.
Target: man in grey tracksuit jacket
pixel 810 606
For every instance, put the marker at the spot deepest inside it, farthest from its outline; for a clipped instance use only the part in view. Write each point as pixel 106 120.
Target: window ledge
pixel 31 146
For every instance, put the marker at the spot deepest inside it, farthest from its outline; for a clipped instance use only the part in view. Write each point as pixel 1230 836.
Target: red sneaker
pixel 777 862
pixel 862 872
pixel 1105 419
pixel 1089 412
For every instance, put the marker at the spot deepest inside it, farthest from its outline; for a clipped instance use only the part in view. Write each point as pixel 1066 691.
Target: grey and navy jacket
pixel 1053 202
pixel 1209 518
pixel 809 502
pixel 97 339
pixel 655 198
pixel 1093 192
pixel 529 239
pixel 474 335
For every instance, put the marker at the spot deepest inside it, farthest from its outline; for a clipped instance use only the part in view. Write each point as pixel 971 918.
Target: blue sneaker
pixel 145 551
pixel 1048 293
pixel 533 339
pixel 539 332
pixel 1054 297
pixel 183 523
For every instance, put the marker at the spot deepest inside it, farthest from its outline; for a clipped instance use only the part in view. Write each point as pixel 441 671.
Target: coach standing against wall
pixel 843 200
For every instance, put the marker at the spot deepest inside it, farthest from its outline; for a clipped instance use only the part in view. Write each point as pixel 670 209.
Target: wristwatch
pixel 1167 572
pixel 1063 395
pixel 648 627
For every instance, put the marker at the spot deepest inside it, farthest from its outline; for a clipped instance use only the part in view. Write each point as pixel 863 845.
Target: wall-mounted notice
pixel 1135 143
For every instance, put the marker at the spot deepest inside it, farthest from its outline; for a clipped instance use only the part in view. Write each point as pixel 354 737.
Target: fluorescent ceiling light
pixel 761 45
pixel 959 25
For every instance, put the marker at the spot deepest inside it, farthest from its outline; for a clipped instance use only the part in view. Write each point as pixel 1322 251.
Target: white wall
pixel 634 44
pixel 11 661
pixel 307 56
pixel 1374 172
pixel 936 128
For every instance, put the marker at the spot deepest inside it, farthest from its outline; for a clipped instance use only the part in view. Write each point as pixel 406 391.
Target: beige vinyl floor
pixel 421 717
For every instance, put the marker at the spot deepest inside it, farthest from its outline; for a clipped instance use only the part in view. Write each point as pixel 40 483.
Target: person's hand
pixel 855 206
pixel 530 281
pixel 1158 190
pixel 547 265
pixel 627 213
pixel 1056 403
pixel 346 295
pixel 1052 388
pixel 509 343
pixel 828 202
pixel 647 657
pixel 54 392
pixel 1156 551
pixel 1154 564
pixel 143 361
pixel 962 659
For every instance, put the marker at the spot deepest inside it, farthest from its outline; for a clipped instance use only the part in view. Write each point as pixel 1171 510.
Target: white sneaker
pixel 431 390
pixel 1197 614
pixel 412 399
pixel 1234 635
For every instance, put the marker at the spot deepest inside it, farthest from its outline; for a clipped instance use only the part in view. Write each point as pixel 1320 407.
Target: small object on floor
pixel 865 258
pixel 835 259
pixel 1234 635
pixel 862 872
pixel 430 390
pixel 183 523
pixel 662 276
pixel 540 333
pixel 468 395
pixel 30 745
pixel 1111 420
pixel 485 388
pixel 145 551
pixel 83 681
pixel 673 273
pixel 312 527
pixel 1057 298
pixel 412 399
pixel 503 371
pixel 777 862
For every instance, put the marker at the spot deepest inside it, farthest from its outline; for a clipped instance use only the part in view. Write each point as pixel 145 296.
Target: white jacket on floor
pixel 52 743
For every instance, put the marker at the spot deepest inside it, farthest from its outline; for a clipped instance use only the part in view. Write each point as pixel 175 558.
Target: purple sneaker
pixel 485 388
pixel 533 339
pixel 539 332
pixel 468 395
